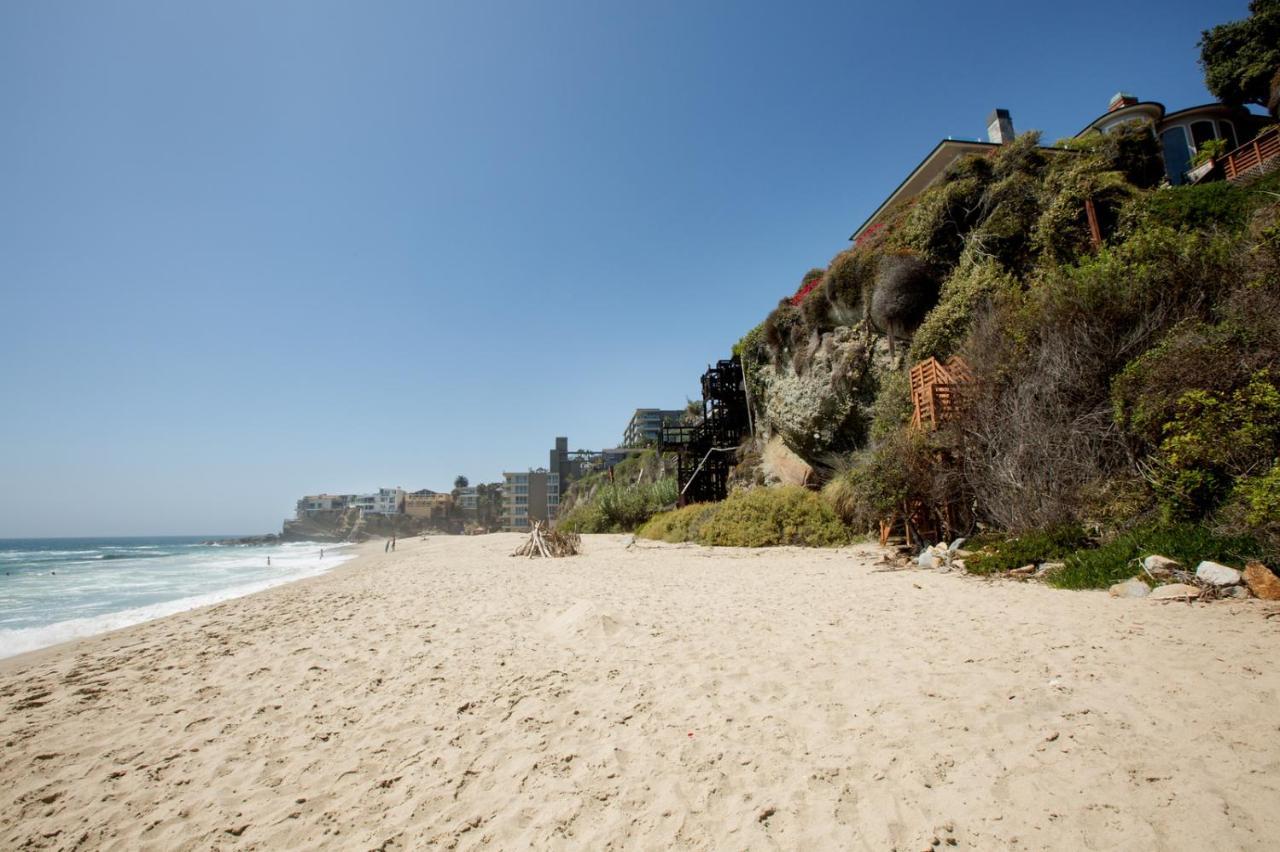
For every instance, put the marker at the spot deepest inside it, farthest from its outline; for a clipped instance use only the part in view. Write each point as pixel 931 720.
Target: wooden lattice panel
pixel 936 390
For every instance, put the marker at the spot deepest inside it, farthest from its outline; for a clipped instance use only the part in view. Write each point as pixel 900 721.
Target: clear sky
pixel 251 250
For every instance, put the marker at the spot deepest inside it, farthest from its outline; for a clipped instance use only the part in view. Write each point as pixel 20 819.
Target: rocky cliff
pixel 352 525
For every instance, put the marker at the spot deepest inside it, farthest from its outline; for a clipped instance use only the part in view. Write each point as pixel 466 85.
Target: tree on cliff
pixel 461 482
pixel 1241 59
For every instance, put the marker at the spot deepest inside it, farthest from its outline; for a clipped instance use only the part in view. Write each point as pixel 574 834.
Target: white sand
pixel 650 698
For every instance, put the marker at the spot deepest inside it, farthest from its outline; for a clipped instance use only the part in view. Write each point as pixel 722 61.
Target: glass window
pixel 1228 132
pixel 1177 155
pixel 1202 132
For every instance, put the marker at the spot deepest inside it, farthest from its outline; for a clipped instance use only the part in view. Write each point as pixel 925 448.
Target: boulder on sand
pixel 1175 592
pixel 1160 567
pixel 1262 582
pixel 1217 575
pixel 1131 588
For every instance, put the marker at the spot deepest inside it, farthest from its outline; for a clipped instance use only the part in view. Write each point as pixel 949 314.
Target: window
pixel 1228 132
pixel 1177 154
pixel 1202 132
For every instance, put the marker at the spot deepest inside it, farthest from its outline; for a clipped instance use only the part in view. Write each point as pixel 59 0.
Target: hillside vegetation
pixel 1135 384
pixel 639 487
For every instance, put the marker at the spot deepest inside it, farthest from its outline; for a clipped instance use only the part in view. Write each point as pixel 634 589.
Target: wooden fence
pixel 1254 158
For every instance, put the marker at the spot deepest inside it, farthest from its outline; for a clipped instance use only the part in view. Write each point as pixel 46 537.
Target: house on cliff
pixel 1182 135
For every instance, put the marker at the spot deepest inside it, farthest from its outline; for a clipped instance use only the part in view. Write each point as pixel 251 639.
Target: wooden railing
pixel 1254 157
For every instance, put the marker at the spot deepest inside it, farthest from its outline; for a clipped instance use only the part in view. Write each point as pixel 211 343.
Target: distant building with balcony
pixel 313 503
pixel 466 499
pixel 386 501
pixel 428 504
pixel 646 424
pixel 529 496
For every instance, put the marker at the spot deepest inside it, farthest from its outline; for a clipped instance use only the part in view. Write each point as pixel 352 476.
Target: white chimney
pixel 1000 127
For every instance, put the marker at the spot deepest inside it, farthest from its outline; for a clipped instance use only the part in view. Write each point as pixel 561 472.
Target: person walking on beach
pixel 322 553
pixel 393 544
pixel 386 546
pixel 268 561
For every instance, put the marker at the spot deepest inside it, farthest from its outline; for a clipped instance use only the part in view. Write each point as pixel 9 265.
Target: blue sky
pixel 250 250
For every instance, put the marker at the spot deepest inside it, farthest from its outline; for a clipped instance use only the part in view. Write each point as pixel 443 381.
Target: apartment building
pixel 428 504
pixel 386 501
pixel 529 496
pixel 323 503
pixel 645 426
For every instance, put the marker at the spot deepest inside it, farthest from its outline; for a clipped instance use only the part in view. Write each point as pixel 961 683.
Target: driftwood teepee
pixel 548 543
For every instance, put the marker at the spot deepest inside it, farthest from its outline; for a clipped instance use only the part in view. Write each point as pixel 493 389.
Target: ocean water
pixel 53 590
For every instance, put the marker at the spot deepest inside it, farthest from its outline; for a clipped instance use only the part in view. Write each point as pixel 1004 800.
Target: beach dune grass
pixel 759 517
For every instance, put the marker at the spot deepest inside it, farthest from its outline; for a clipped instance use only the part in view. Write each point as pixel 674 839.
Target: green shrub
pixel 766 517
pixel 892 408
pixel 584 517
pixel 847 285
pixel 878 481
pixel 1260 496
pixel 1218 204
pixel 783 329
pixel 1195 355
pixel 974 283
pixel 1007 554
pixel 679 524
pixel 1210 149
pixel 619 507
pixel 1010 209
pixel 1118 560
pixel 1061 233
pixel 1253 508
pixel 753 351
pixel 1130 149
pixel 1215 438
pixel 936 224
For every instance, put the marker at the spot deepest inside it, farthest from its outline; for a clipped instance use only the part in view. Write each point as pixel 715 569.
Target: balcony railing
pixel 1254 158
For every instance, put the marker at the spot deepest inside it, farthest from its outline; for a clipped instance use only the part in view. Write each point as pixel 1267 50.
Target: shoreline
pixel 651 695
pixel 257 590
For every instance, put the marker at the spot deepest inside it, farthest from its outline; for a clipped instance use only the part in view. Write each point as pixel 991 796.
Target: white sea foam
pixel 21 640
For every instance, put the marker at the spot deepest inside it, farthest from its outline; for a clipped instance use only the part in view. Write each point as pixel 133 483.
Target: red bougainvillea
pixel 869 234
pixel 805 289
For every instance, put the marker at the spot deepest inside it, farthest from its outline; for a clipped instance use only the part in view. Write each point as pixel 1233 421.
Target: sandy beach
pixel 652 696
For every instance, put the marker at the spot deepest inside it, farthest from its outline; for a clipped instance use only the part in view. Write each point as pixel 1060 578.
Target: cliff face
pixel 819 400
pixel 350 525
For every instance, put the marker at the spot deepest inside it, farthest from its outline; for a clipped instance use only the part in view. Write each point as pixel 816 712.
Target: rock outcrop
pixel 1262 582
pixel 819 401
pixel 353 525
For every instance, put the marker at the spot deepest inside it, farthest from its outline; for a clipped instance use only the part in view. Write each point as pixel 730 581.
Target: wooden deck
pixel 1253 159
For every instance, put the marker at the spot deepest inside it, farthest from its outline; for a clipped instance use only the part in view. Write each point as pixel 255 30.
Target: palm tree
pixel 461 482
